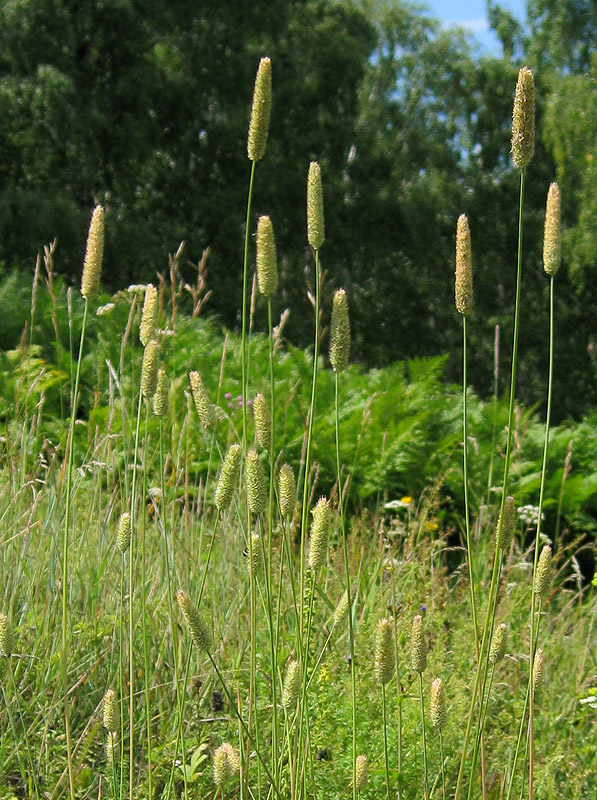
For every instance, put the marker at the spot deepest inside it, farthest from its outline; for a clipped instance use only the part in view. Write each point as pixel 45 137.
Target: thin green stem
pixel 424 734
pixel 469 552
pixel 65 547
pixel 244 352
pixel 144 615
pixel 385 738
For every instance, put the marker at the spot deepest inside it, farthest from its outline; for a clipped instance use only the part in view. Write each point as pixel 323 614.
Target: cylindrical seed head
pixel 111 716
pixel 149 314
pixel 418 656
pixel 161 398
pixel 320 531
pixel 267 264
pixel 197 628
pixel 383 661
pixel 361 772
pixel 149 368
pixel 341 610
pixel 437 703
pixel 255 555
pixel 339 332
pixel 112 748
pixel 538 669
pixel 255 483
pixel 286 491
pixel 523 119
pixel 508 525
pixel 543 574
pixel 7 642
pixel 123 537
pixel 226 764
pixel 315 225
pixel 205 408
pixel 263 422
pixel 260 111
pixel 552 234
pixel 291 686
pixel 498 644
pixel 463 291
pixel 94 254
pixel 229 475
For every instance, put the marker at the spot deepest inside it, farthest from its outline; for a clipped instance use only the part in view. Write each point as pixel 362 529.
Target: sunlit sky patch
pixel 472 15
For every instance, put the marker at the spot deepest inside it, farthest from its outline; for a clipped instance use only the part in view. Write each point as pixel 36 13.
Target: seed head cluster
pixel 197 628
pixel 260 111
pixel 523 119
pixel 291 686
pixel 339 332
pixel 437 703
pixel 315 224
pixel 552 234
pixel 123 537
pixel 229 475
pixel 543 574
pixel 418 655
pixel 94 254
pixel 226 764
pixel 508 525
pixel 463 292
pixel 255 483
pixel 497 649
pixel 7 642
pixel 384 662
pixel 203 405
pixel 267 263
pixel 149 315
pixel 286 491
pixel 320 531
pixel 263 422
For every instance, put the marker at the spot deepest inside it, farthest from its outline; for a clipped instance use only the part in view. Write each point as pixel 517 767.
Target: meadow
pixel 232 568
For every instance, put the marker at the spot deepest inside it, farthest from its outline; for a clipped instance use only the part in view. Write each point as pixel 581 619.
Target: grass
pixel 193 625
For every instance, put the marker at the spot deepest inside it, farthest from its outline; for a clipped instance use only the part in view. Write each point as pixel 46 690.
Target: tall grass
pixel 185 626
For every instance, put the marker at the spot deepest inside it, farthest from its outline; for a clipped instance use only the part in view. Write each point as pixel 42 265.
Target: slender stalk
pixel 348 592
pixel 65 546
pixel 244 344
pixel 272 450
pixel 490 615
pixel 441 755
pixel 423 731
pixel 144 618
pixel 469 553
pixel 385 738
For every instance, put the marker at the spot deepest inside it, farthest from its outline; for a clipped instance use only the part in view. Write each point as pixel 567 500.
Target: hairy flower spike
pixel 339 332
pixel 320 531
pixel 255 483
pixel 197 628
pixel 267 265
pixel 523 119
pixel 508 525
pixel 161 398
pixel 260 111
pixel 94 254
pixel 226 764
pixel 463 292
pixel 205 408
pixel 149 315
pixel 538 669
pixel 315 225
pixel 255 554
pixel 291 686
pixel 111 716
pixel 228 480
pixel 341 610
pixel 123 538
pixel 149 369
pixel 383 661
pixel 418 656
pixel 552 235
pixel 361 773
pixel 543 574
pixel 112 748
pixel 498 644
pixel 263 422
pixel 7 642
pixel 437 703
pixel 286 491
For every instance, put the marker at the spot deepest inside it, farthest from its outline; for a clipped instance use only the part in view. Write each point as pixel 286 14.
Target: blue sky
pixel 472 15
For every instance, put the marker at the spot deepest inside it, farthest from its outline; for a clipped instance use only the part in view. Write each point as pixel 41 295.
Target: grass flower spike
pixel 226 764
pixel 464 267
pixel 291 686
pixel 384 662
pixel 498 644
pixel 123 538
pixel 508 525
pixel 263 429
pixel 7 642
pixel 361 773
pixel 255 554
pixel 161 398
pixel 418 656
pixel 339 332
pixel 543 575
pixel 229 475
pixel 341 610
pixel 267 265
pixel 552 236
pixel 286 491
pixel 538 669
pixel 437 703
pixel 111 717
pixel 255 483
pixel 523 119
pixel 320 531
pixel 149 315
pixel 94 254
pixel 205 408
pixel 149 369
pixel 197 628
pixel 260 111
pixel 315 225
